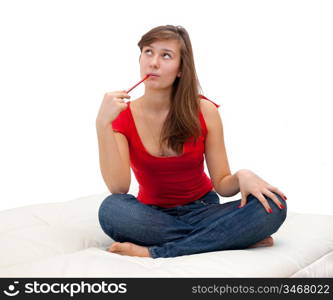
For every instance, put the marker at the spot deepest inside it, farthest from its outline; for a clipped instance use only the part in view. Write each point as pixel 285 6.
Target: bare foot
pixel 129 249
pixel 267 242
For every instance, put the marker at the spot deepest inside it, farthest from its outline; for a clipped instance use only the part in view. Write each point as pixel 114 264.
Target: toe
pixel 113 247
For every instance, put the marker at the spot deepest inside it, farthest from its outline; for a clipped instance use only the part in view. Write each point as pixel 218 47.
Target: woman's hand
pixel 250 183
pixel 112 105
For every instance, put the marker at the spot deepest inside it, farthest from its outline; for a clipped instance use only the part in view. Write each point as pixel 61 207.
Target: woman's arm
pixel 228 186
pixel 114 159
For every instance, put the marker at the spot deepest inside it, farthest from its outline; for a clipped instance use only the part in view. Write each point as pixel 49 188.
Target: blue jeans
pixel 201 226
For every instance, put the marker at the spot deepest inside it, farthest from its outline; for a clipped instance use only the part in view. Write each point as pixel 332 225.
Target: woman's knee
pixel 271 222
pixel 110 209
pixel 278 215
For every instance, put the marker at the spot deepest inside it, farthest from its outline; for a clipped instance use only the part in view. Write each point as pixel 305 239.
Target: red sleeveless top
pixel 166 181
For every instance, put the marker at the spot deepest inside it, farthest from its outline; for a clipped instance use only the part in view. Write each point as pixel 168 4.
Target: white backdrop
pixel 268 63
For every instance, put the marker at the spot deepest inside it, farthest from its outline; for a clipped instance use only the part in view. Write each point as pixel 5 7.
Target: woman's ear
pixel 179 74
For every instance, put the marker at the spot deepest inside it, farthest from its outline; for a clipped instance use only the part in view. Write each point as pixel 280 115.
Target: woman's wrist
pixel 242 172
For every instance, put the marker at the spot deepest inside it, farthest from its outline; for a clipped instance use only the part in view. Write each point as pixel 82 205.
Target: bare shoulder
pixel 135 111
pixel 210 113
pixel 134 103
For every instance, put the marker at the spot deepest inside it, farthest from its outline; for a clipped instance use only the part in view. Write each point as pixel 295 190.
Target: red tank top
pixel 166 181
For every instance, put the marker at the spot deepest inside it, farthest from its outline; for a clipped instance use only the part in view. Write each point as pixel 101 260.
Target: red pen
pixel 138 83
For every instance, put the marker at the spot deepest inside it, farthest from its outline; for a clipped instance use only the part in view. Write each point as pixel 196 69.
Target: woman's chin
pixel 156 86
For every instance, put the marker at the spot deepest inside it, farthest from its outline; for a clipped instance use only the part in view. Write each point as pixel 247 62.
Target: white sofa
pixel 65 240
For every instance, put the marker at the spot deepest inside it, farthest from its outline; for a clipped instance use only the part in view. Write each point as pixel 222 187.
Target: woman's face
pixel 163 59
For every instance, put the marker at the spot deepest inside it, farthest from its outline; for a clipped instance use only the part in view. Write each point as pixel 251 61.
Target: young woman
pixel 163 136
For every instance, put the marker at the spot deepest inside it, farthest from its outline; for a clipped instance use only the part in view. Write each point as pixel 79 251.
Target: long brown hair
pixel 182 121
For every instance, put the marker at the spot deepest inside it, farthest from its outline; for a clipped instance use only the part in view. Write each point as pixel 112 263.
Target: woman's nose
pixel 154 61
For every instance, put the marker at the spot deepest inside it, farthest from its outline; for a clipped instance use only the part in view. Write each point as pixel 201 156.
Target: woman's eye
pixel 148 50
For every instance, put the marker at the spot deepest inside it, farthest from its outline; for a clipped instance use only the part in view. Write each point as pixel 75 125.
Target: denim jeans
pixel 201 226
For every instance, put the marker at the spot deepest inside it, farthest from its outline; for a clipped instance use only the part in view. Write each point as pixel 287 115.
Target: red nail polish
pixel 282 206
pixel 284 197
pixel 270 210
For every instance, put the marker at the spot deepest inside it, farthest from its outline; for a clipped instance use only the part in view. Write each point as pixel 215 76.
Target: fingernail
pixel 284 197
pixel 270 210
pixel 239 206
pixel 281 206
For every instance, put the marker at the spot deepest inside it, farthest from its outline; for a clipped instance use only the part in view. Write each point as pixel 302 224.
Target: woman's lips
pixel 153 75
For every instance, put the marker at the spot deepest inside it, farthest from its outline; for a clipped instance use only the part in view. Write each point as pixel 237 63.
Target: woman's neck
pixel 156 101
